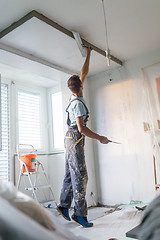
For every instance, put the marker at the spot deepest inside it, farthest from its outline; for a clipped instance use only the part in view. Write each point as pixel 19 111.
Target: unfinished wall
pixel 123 172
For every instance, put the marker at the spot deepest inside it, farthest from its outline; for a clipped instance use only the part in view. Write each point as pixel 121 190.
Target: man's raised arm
pixel 85 68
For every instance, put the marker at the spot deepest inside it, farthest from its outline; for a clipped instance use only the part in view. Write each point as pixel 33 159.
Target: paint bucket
pixel 30 161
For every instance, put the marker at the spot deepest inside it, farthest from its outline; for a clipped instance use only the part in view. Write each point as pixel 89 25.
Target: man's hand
pixel 88 49
pixel 103 139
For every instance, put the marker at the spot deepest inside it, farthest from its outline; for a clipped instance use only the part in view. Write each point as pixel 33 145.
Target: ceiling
pixel 36 49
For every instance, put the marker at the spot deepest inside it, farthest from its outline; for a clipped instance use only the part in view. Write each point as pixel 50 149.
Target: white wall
pixel 123 172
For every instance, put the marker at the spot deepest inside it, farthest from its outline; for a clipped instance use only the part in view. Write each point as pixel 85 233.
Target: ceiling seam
pixel 34 58
pixel 56 26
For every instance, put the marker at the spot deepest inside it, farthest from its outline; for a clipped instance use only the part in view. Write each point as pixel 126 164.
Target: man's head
pixel 74 84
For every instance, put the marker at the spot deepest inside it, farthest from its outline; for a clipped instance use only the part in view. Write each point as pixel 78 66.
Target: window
pixel 57 120
pixel 4 154
pixel 29 118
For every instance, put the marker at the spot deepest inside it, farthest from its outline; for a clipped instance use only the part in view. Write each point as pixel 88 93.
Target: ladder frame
pixel 33 186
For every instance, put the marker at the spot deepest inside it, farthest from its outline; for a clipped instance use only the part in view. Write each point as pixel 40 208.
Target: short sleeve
pixel 79 109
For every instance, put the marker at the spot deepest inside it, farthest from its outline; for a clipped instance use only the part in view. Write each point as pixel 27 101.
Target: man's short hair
pixel 74 83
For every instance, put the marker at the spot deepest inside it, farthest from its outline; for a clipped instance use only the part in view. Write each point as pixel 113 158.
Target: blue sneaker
pixel 82 221
pixel 64 212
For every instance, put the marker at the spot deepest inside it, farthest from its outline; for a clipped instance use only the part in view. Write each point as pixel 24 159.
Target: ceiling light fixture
pixel 108 56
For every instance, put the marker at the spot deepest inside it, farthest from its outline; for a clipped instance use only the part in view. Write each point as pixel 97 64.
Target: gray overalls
pixel 76 177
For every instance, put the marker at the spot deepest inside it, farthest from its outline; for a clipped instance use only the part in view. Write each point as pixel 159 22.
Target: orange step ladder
pixel 29 165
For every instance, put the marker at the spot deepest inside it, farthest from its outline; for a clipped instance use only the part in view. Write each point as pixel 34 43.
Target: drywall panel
pixel 128 35
pixel 117 119
pixel 39 39
pixel 124 173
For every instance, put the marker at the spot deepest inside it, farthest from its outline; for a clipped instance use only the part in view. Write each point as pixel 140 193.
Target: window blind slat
pixel 4 154
pixel 29 118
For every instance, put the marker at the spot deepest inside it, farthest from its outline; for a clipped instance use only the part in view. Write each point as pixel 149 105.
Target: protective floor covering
pixel 109 222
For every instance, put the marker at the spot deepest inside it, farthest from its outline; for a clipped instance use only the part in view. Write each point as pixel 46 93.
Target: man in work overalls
pixel 75 180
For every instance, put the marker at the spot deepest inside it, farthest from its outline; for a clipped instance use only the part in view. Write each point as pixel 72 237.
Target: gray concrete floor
pixel 109 222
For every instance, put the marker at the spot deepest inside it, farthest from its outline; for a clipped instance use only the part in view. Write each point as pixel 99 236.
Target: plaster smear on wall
pixel 151 75
pixel 117 119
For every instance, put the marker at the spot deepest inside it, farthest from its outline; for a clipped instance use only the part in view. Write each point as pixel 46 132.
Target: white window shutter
pixel 29 118
pixel 4 154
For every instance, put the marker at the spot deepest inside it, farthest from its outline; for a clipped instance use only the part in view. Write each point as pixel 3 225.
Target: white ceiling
pixel 133 29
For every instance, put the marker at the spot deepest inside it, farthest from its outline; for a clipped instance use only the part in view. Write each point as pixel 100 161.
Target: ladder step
pixel 38 187
pixel 30 173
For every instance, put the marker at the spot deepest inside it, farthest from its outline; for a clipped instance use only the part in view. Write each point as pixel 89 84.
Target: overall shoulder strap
pixel 78 100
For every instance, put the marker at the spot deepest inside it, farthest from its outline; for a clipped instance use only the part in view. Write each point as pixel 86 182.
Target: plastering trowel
pixel 113 142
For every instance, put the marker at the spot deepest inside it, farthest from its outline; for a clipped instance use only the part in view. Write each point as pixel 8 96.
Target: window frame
pixel 43 114
pixel 51 91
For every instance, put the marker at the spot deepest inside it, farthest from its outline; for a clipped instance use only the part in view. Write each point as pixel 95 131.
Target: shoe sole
pixel 74 219
pixel 63 214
